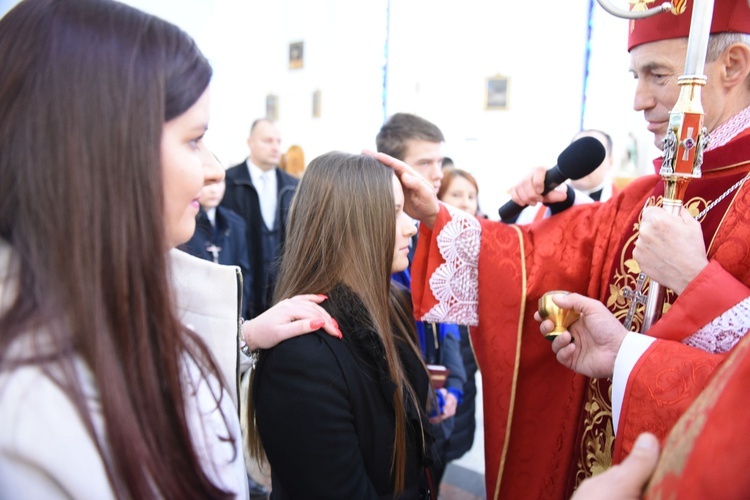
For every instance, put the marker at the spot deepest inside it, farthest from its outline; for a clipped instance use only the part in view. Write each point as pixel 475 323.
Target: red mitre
pixel 729 16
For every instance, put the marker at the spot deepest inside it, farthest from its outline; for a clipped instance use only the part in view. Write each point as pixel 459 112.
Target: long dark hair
pixel 342 229
pixel 85 88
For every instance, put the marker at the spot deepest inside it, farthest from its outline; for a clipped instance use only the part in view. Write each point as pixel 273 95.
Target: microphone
pixel 578 160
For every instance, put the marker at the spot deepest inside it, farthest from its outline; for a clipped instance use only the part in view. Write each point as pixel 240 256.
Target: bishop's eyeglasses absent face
pixel 656 66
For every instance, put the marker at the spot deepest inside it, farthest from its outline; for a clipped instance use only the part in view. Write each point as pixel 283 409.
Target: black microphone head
pixel 581 158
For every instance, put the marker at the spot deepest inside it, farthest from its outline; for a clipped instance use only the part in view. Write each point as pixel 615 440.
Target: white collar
pixel 211 214
pixel 256 173
pixel 729 129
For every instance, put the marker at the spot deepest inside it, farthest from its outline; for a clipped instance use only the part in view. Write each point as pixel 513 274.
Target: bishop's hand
pixel 420 199
pixel 590 345
pixel 670 248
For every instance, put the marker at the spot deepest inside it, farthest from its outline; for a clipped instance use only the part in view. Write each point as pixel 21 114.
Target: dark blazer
pixel 324 410
pixel 242 198
pixel 230 235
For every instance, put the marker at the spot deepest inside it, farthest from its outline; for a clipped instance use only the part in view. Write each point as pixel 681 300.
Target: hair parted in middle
pixel 403 127
pixel 342 229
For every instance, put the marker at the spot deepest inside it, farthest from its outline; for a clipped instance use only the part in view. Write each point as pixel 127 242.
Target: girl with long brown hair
pixel 103 391
pixel 345 418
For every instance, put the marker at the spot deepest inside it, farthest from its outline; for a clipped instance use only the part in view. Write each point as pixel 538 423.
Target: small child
pixel 221 236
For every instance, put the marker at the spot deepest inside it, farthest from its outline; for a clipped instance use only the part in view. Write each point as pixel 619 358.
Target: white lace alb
pixel 723 332
pixel 455 283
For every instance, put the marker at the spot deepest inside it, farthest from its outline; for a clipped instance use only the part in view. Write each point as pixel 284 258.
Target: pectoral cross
pixel 636 297
pixel 214 250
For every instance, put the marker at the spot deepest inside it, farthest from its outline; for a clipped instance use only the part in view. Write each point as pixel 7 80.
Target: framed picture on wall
pixel 316 104
pixel 496 92
pixel 272 107
pixel 296 55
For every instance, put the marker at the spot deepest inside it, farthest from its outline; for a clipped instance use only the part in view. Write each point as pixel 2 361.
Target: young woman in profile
pixel 345 418
pixel 103 391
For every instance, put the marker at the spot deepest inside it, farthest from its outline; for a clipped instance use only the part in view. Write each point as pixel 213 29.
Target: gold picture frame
pixel 296 55
pixel 496 92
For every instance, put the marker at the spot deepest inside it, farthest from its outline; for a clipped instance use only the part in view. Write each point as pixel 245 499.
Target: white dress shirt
pixel 265 183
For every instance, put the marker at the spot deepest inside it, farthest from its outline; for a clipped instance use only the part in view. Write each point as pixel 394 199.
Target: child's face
pixel 462 194
pixel 212 194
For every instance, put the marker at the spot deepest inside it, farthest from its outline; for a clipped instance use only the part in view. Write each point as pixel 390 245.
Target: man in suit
pixel 261 193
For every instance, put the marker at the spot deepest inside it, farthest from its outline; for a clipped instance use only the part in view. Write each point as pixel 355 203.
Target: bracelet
pixel 245 348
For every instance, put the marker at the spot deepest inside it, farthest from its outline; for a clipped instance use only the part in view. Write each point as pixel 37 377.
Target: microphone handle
pixel 509 210
pixel 552 178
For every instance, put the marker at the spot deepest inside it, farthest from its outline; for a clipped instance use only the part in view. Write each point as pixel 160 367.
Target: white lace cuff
pixel 724 332
pixel 455 283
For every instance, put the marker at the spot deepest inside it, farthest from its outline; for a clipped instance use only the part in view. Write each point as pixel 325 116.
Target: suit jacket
pixel 324 410
pixel 242 198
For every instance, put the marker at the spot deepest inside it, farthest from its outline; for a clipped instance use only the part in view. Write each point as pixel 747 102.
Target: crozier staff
pixel 489 275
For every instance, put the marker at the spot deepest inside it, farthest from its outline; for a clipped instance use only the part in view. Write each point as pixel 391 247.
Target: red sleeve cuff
pixel 710 294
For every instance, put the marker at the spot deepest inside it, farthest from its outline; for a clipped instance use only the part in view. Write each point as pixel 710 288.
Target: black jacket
pixel 324 410
pixel 242 198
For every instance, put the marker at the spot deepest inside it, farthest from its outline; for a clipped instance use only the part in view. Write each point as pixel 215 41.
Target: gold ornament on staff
pixel 686 137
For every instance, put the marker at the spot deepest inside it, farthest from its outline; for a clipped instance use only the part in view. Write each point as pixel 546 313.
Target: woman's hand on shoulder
pixel 289 318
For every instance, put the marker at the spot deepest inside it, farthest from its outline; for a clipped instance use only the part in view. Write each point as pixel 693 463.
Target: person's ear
pixel 736 64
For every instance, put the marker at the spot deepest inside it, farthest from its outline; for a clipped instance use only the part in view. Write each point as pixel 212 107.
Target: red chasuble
pixel 546 428
pixel 707 452
pixel 670 375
